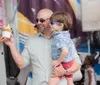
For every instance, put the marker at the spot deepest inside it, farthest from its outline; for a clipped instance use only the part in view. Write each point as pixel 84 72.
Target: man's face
pixel 43 22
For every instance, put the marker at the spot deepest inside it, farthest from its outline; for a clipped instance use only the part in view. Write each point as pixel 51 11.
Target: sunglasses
pixel 41 20
pixel 53 22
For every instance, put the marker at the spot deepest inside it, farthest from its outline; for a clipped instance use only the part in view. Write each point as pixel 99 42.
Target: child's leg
pixel 70 81
pixel 54 81
pixel 68 77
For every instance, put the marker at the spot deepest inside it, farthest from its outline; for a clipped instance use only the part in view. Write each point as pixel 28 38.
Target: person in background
pixel 89 72
pixel 37 52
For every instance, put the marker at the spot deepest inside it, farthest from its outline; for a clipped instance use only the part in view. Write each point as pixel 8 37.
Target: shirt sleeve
pixel 62 42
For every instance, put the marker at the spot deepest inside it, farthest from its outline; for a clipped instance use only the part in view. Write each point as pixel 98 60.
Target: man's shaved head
pixel 45 13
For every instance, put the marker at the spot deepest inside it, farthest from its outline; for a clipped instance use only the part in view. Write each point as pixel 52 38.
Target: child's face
pixel 56 26
pixel 87 61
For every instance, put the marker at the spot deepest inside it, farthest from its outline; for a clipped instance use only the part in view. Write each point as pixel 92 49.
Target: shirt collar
pixel 59 32
pixel 41 35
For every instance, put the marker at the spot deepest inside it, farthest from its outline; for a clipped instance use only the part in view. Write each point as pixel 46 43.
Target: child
pixel 89 72
pixel 63 49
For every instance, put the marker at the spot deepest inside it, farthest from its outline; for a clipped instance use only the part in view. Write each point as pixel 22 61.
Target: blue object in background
pixel 21 45
pixel 78 1
pixel 30 74
pixel 97 69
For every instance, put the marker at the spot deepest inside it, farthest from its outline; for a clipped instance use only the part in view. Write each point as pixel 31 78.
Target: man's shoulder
pixel 34 36
pixel 33 39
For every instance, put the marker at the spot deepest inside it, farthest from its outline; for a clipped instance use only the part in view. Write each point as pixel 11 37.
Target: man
pixel 37 51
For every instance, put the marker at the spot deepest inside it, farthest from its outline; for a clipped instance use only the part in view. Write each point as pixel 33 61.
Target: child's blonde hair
pixel 64 18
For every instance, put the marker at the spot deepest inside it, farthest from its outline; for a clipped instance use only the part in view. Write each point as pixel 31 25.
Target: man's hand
pixel 9 41
pixel 55 63
pixel 1 39
pixel 58 71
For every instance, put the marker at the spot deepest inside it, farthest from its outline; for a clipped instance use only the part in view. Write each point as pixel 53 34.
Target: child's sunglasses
pixel 54 22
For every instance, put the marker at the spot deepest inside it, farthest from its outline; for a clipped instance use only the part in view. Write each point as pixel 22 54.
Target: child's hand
pixel 55 63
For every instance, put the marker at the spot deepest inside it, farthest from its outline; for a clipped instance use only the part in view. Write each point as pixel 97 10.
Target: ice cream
pixel 6 32
pixel 7 28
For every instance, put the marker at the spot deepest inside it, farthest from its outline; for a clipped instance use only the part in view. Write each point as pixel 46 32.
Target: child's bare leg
pixel 70 81
pixel 53 81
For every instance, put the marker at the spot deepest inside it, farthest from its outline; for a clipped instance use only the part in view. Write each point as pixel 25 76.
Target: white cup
pixel 6 34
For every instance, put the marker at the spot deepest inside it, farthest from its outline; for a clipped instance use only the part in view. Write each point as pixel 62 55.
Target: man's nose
pixel 39 22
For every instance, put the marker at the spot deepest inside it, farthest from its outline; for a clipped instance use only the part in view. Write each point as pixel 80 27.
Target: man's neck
pixel 47 34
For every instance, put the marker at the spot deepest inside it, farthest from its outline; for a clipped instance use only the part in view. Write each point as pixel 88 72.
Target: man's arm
pixel 60 71
pixel 16 56
pixel 76 66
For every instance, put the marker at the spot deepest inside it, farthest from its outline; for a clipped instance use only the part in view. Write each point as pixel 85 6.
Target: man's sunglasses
pixel 54 22
pixel 41 20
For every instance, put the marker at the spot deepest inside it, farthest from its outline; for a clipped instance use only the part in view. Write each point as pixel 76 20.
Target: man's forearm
pixel 16 56
pixel 74 68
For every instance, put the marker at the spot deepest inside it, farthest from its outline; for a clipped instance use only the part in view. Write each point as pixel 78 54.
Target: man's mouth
pixel 39 26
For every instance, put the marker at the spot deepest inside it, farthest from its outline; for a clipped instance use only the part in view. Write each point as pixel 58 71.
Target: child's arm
pixel 64 52
pixel 90 77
